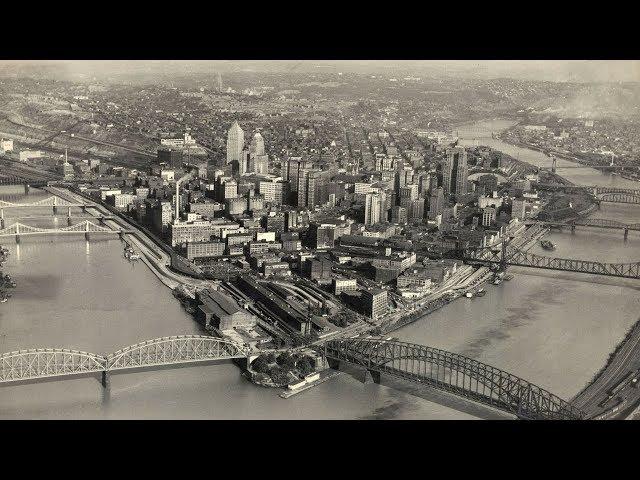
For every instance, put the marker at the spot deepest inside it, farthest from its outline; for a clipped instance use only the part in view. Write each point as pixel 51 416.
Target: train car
pixel 621 384
pixel 614 409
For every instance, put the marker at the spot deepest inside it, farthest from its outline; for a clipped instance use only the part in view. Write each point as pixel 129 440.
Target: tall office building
pixel 373 208
pixel 309 180
pixel 244 165
pixel 259 164
pixel 171 157
pixel 235 143
pixel 488 216
pixel 436 203
pixel 219 82
pixel 455 171
pixel 257 144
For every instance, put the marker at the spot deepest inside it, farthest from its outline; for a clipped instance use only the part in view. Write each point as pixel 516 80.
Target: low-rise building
pixel 204 250
pixel 221 312
pixel 340 285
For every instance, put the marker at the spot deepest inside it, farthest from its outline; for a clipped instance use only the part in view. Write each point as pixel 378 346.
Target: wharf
pixel 324 376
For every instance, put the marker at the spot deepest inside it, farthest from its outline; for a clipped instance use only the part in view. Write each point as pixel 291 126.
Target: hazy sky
pixel 553 70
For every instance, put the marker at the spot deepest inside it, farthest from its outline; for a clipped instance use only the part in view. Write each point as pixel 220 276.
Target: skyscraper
pixel 436 203
pixel 219 82
pixel 235 143
pixel 455 171
pixel 257 145
pixel 372 208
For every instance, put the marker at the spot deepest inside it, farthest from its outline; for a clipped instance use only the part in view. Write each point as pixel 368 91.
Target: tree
pixel 283 358
pixel 260 365
pixel 279 375
pixel 305 365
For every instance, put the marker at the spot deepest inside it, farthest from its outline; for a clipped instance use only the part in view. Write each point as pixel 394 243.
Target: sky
pixel 550 70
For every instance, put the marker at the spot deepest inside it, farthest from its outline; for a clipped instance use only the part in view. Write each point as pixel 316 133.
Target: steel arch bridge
pixel 172 351
pixel 51 201
pixel 83 227
pixel 48 362
pixel 453 373
pixel 44 363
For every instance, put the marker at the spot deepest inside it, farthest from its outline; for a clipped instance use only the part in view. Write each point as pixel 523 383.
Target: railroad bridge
pixel 453 373
pixel 43 363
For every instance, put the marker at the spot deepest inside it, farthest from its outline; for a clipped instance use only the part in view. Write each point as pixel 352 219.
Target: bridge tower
pixel 1 218
pixel 86 230
pixel 55 203
pixel 17 233
pixel 626 233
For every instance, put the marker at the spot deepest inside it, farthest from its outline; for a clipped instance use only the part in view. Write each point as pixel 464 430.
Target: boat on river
pixel 547 245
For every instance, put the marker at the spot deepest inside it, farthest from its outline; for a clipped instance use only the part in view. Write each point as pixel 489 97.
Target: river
pixel 555 329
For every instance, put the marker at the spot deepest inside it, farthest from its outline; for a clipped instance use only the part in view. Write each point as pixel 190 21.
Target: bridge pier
pixel 372 376
pixel 17 238
pixel 106 381
pixel 626 233
pixel 55 210
pixel 86 236
pixel 26 189
pixel 333 364
pixel 573 229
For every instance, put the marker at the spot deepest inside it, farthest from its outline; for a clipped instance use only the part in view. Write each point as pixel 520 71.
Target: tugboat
pixel 547 245
pixel 468 295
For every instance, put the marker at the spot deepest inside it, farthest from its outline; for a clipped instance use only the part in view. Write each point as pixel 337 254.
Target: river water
pixel 555 329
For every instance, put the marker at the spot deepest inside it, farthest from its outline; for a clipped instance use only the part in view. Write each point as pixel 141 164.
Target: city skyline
pixel 319 240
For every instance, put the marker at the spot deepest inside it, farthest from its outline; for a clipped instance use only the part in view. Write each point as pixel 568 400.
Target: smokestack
pixel 177 199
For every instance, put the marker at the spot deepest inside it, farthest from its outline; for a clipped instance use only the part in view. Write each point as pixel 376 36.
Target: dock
pixel 324 376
